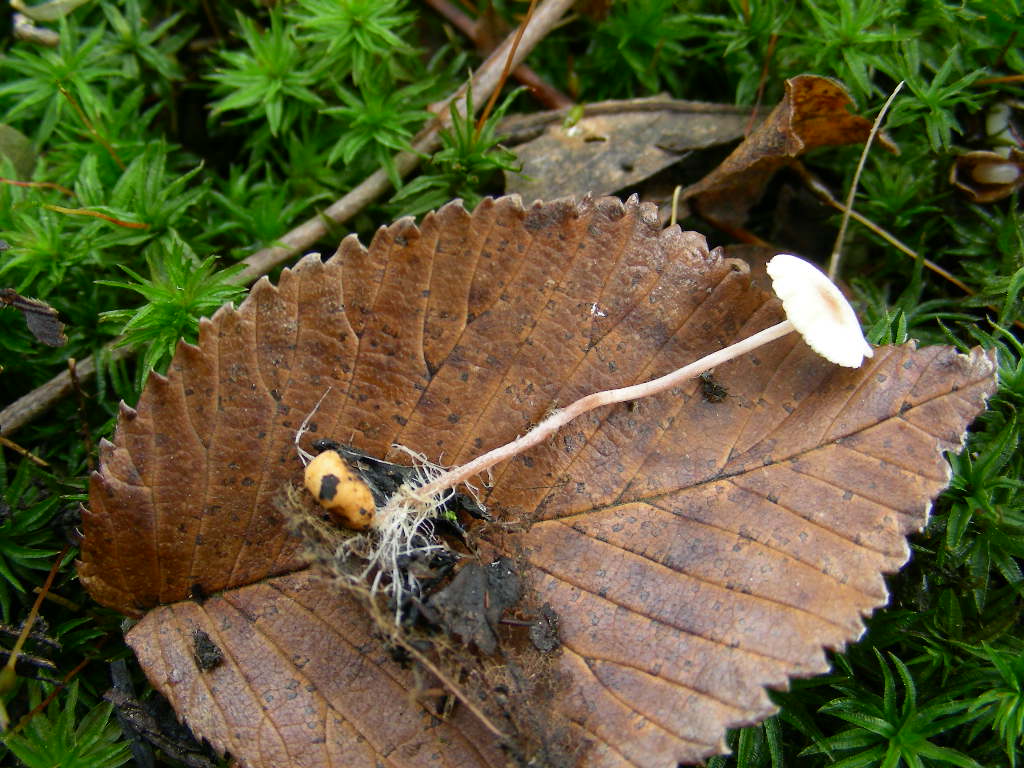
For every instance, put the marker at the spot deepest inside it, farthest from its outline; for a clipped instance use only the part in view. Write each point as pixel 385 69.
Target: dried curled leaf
pixel 689 550
pixel 42 319
pixel 813 113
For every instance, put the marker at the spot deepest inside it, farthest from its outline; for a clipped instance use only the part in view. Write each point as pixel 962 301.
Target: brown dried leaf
pixel 303 682
pixel 693 551
pixel 42 319
pixel 617 145
pixel 813 113
pixel 746 534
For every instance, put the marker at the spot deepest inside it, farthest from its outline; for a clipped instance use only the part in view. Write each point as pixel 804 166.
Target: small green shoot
pixel 890 730
pixel 468 161
pixel 180 290
pixel 270 80
pixel 356 34
pixel 1000 703
pixel 59 738
pixel 378 122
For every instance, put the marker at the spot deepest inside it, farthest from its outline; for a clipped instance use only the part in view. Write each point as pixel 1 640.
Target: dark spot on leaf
pixel 205 652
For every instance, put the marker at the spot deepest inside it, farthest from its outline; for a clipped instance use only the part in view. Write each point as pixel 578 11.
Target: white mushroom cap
pixel 818 311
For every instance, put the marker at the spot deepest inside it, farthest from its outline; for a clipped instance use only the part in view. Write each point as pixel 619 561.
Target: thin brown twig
pixel 91 128
pixel 37 185
pixel 83 423
pixel 736 232
pixel 23 451
pixel 7 674
pixel 57 689
pixel 833 265
pixel 505 70
pixel 30 405
pixel 823 193
pixel 484 81
pixel 998 80
pixel 762 82
pixel 539 88
pixel 819 189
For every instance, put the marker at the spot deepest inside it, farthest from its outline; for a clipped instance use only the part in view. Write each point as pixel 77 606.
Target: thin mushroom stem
pixel 560 418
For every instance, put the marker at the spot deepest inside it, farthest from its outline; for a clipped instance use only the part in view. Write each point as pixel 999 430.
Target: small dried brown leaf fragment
pixel 689 551
pixel 618 145
pixel 41 318
pixel 813 113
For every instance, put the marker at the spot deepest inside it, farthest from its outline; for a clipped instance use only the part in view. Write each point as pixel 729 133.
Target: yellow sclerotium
pixel 340 490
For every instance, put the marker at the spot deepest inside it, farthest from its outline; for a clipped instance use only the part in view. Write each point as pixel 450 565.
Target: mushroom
pixel 818 311
pixel 814 307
